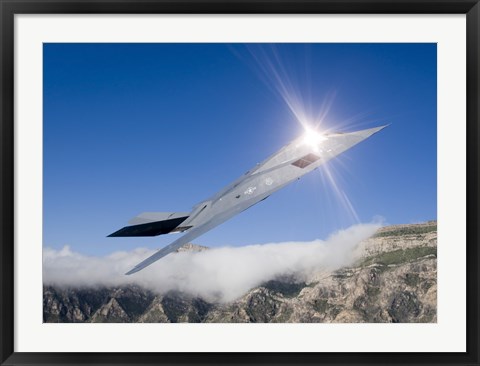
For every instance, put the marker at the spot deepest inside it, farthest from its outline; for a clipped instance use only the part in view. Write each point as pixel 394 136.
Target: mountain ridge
pixel 393 280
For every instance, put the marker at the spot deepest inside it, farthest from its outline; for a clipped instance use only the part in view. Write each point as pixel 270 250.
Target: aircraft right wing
pixel 190 235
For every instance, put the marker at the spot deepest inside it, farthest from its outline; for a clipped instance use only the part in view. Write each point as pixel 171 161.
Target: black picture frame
pixel 9 8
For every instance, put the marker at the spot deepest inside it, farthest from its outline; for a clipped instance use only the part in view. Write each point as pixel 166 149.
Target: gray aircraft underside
pixel 291 162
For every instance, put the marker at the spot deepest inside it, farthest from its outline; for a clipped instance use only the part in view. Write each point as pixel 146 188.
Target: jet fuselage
pixel 291 162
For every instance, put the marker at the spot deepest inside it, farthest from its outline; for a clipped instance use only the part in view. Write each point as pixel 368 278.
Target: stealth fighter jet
pixel 291 162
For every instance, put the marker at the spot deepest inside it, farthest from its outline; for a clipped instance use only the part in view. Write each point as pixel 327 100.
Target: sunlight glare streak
pixel 282 76
pixel 313 138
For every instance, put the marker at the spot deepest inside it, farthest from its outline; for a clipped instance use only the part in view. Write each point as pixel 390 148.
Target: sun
pixel 313 138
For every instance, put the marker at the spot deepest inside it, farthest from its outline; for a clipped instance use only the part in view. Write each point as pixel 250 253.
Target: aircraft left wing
pixel 153 224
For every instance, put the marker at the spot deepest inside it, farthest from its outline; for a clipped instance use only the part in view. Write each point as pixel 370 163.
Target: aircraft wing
pixel 190 235
pixel 153 224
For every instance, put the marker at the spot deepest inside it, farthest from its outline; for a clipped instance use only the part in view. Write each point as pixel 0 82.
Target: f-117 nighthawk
pixel 294 160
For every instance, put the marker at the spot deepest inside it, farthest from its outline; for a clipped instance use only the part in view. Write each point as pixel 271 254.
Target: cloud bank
pixel 218 274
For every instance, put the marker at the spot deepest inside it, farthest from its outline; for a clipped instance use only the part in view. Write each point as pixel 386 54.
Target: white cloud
pixel 218 274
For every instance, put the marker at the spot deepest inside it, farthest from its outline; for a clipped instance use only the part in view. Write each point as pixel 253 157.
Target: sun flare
pixel 313 138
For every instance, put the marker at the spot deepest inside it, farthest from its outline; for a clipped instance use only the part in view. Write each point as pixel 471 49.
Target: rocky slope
pixel 393 280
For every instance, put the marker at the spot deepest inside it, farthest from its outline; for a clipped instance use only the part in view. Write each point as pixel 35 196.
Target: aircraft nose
pixel 368 132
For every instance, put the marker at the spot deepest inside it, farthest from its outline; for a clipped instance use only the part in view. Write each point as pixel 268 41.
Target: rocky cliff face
pixel 393 280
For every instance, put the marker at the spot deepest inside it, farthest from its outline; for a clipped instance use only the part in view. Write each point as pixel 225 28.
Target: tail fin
pixel 153 224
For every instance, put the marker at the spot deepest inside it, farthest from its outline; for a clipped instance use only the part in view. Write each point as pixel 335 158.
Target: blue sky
pixel 130 128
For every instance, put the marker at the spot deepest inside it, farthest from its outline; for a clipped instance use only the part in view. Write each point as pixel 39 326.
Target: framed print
pixel 183 118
